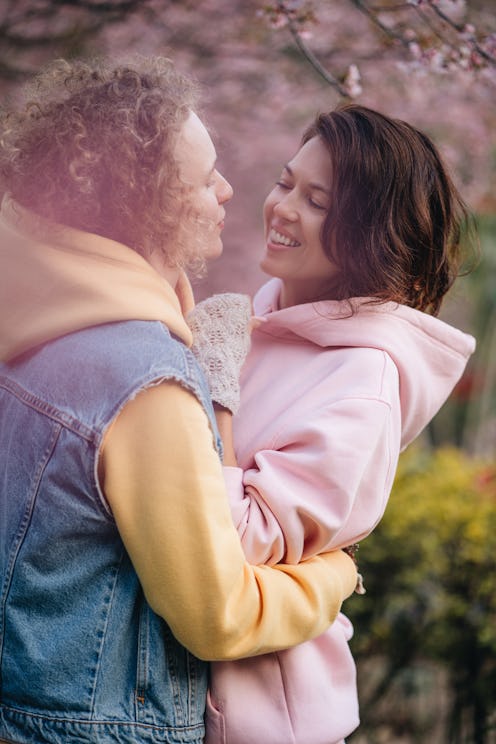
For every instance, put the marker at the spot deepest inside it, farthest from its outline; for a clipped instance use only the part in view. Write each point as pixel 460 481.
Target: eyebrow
pixel 312 185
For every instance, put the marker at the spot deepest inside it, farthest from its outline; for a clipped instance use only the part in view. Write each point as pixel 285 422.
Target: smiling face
pixel 294 213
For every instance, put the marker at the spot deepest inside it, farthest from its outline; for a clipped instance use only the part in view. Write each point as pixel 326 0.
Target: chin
pixel 214 251
pixel 267 267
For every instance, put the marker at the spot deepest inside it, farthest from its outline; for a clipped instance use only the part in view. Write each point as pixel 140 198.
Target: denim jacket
pixel 83 658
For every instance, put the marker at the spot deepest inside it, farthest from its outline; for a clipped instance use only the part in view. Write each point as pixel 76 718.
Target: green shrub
pixel 429 570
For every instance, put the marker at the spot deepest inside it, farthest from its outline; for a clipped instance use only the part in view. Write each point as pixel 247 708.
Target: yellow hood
pixel 55 280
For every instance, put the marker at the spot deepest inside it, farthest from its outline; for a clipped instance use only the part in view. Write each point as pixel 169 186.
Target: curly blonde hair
pixel 91 147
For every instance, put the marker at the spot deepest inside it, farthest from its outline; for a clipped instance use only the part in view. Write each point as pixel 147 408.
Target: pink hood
pixel 430 355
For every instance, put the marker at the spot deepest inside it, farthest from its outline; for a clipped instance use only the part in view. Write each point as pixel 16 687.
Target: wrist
pixel 224 424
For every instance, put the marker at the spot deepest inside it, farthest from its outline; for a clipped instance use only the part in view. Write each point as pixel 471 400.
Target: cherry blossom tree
pixel 267 67
pixel 439 35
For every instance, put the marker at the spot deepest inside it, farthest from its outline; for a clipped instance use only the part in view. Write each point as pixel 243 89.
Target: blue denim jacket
pixel 83 658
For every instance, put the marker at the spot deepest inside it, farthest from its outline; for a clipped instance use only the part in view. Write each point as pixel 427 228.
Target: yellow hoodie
pixel 56 280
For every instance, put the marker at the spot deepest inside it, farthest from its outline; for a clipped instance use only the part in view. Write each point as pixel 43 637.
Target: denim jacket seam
pixel 48 410
pixel 142 663
pixel 104 722
pixel 22 531
pixel 106 609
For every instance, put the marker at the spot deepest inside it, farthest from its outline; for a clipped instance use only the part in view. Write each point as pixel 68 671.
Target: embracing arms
pixel 164 483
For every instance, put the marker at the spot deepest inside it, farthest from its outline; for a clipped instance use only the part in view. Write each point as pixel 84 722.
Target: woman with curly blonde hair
pixel 93 149
pixel 120 566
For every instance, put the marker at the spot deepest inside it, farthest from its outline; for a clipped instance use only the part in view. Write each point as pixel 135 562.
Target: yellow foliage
pixel 429 570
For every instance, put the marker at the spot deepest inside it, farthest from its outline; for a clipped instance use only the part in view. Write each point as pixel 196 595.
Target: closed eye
pixel 315 205
pixel 287 187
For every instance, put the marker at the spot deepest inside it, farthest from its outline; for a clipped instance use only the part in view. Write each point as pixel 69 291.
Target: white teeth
pixel 276 237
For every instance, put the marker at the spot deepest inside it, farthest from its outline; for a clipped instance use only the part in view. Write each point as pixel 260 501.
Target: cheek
pixel 207 214
pixel 315 227
pixel 267 210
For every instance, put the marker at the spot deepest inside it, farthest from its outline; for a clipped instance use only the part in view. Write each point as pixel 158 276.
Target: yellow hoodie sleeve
pixel 164 483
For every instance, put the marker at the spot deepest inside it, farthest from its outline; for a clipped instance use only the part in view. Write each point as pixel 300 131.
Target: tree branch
pixel 460 29
pixel 371 15
pixel 312 59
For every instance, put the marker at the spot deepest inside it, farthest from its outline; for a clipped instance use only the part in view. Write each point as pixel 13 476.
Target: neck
pixel 169 273
pixel 295 295
pixel 301 293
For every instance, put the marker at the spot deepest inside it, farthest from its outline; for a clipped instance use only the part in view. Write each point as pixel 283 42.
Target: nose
pixel 224 190
pixel 285 207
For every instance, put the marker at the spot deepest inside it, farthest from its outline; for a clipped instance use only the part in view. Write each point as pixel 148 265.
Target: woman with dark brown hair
pixel 348 366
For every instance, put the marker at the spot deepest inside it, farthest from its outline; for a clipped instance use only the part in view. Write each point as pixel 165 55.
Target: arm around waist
pixel 164 483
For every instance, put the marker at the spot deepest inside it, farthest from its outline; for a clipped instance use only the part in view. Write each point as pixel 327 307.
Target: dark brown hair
pixel 91 147
pixel 395 217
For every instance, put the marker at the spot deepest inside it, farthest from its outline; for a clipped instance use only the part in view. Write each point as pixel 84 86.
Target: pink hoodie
pixel 328 402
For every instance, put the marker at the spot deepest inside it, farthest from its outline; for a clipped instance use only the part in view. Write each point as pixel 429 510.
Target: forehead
pixel 313 162
pixel 194 152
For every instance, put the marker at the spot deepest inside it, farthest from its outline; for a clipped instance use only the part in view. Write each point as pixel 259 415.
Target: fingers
pixel 256 321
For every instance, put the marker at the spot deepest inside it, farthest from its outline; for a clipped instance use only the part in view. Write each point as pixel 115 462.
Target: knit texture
pixel 221 339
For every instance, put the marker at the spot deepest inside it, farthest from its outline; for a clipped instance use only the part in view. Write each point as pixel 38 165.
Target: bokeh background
pixel 425 639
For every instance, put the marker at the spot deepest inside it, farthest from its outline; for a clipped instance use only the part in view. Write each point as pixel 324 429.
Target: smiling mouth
pixel 278 239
